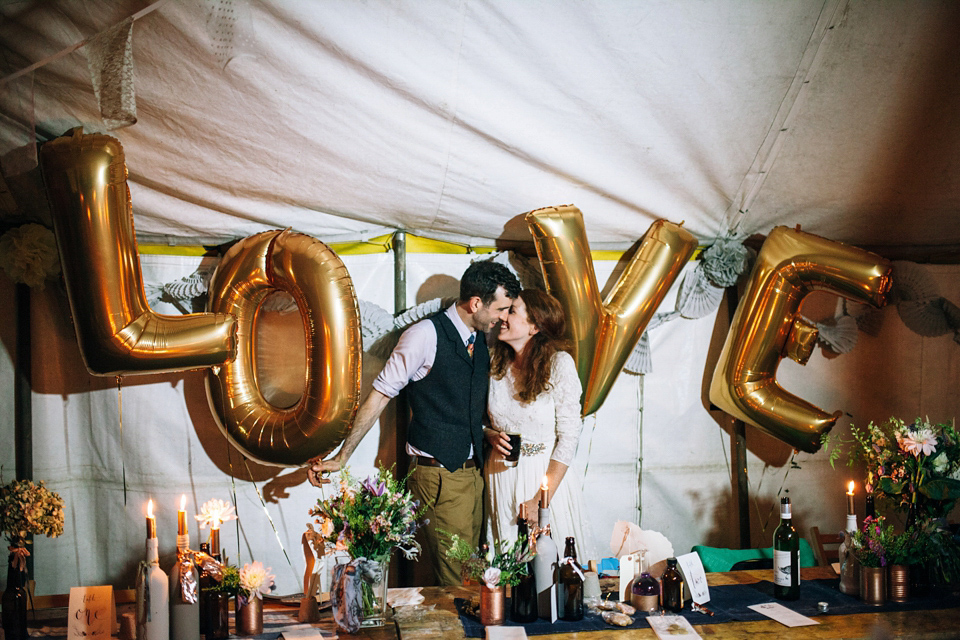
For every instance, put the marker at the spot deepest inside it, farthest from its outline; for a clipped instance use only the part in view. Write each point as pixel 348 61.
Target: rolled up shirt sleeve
pixel 411 359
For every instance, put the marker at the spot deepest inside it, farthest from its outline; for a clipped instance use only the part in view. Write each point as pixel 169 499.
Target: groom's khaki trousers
pixel 454 503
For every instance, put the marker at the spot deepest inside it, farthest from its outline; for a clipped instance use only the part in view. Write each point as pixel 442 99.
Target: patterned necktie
pixel 470 342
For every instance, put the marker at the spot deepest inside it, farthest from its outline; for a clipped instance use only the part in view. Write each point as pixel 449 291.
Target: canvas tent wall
pixel 348 120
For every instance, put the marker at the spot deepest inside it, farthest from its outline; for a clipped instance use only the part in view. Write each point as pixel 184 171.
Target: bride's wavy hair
pixel 533 378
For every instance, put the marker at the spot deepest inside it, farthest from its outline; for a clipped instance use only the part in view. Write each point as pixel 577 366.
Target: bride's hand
pixel 533 511
pixel 499 440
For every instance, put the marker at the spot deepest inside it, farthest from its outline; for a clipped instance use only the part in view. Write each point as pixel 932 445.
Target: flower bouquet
pixel 913 467
pixel 872 543
pixel 504 564
pixel 28 508
pixel 367 519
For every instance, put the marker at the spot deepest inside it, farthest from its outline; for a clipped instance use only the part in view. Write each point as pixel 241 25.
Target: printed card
pixel 783 615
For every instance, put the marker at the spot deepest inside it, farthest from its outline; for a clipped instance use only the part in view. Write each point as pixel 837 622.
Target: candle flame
pixel 150 508
pixel 850 487
pixel 183 502
pixel 544 485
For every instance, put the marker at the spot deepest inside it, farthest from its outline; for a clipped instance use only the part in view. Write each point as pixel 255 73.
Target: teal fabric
pixel 718 559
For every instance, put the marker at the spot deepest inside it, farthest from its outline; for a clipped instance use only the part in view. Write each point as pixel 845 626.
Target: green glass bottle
pixel 786 556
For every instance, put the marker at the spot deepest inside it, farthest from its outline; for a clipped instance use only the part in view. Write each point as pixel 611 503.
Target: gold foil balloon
pixel 766 328
pixel 604 333
pixel 118 333
pixel 312 273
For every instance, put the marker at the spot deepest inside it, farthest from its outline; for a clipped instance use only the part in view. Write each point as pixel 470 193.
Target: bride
pixel 534 391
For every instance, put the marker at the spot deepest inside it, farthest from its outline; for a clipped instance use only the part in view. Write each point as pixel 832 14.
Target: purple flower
pixel 375 489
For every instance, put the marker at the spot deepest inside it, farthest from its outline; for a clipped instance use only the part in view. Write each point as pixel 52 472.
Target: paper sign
pixel 506 633
pixel 783 615
pixel 694 577
pixel 92 613
pixel 629 568
pixel 672 627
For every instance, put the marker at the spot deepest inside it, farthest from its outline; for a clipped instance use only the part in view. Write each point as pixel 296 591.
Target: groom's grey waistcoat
pixel 448 404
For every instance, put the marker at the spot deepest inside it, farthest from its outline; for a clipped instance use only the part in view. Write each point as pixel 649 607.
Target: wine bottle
pixel 206 581
pixel 154 621
pixel 671 588
pixel 570 605
pixel 786 556
pixel 15 603
pixel 184 595
pixel 545 564
pixel 645 590
pixel 523 600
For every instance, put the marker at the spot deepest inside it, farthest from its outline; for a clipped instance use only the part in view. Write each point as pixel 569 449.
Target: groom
pixel 443 361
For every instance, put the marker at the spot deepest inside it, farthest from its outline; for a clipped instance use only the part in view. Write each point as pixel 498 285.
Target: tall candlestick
pixel 151 521
pixel 544 494
pixel 850 510
pixel 215 540
pixel 182 517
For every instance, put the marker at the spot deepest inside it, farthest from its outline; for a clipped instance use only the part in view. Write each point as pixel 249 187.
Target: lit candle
pixel 182 517
pixel 544 494
pixel 151 521
pixel 850 510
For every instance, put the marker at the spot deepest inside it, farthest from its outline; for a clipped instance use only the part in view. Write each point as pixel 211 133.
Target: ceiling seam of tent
pixel 78 45
pixel 767 153
pixel 453 118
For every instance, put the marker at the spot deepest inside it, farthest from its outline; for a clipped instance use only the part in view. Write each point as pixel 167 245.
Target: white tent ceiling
pixel 342 119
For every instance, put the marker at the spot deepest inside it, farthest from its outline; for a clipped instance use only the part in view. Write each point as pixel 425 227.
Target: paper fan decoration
pixel 911 282
pixel 640 361
pixel 919 303
pixel 698 296
pixel 839 334
pixel 375 322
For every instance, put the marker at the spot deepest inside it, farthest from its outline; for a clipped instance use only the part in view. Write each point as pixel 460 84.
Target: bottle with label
pixel 645 590
pixel 523 597
pixel 671 588
pixel 545 564
pixel 571 584
pixel 786 556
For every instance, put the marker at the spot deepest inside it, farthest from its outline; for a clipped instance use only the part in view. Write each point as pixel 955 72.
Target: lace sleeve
pixel 565 390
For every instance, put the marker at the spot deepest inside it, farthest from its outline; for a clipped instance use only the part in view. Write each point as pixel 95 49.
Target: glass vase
pixel 218 616
pixel 373 590
pixel 15 603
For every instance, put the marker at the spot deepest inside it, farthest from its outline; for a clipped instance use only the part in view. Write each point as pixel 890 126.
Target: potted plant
pixel 870 546
pixel 368 519
pixel 26 508
pixel 504 564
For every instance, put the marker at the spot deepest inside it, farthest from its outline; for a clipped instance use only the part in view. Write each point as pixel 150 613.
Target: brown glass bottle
pixel 523 596
pixel 671 588
pixel 570 590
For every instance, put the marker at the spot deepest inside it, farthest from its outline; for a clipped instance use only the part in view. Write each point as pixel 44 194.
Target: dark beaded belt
pixel 424 461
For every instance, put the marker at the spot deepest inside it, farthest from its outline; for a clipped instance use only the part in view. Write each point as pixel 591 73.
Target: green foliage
pixel 508 559
pixel 229 584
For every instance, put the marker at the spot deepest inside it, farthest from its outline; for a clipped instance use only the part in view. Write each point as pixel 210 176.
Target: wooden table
pixel 443 621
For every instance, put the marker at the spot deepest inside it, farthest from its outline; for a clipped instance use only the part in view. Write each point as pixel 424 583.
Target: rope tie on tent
pixel 123 463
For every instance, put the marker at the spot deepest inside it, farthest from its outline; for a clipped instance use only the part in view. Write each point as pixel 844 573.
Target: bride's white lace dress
pixel 550 428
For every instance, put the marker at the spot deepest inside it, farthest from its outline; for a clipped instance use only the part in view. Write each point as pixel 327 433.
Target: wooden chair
pixel 825 557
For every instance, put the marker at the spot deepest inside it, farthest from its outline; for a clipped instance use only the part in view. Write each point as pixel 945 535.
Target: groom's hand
pixel 319 467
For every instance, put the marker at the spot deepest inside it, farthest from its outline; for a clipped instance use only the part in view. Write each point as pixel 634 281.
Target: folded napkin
pixel 405 596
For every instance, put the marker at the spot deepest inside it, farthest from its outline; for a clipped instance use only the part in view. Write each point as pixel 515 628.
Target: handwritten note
pixel 672 627
pixel 92 613
pixel 783 615
pixel 694 577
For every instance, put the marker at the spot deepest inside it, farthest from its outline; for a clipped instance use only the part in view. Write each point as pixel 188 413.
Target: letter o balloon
pixel 315 276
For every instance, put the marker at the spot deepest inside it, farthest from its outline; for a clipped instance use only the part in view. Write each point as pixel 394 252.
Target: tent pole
pixel 22 400
pixel 407 574
pixel 739 449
